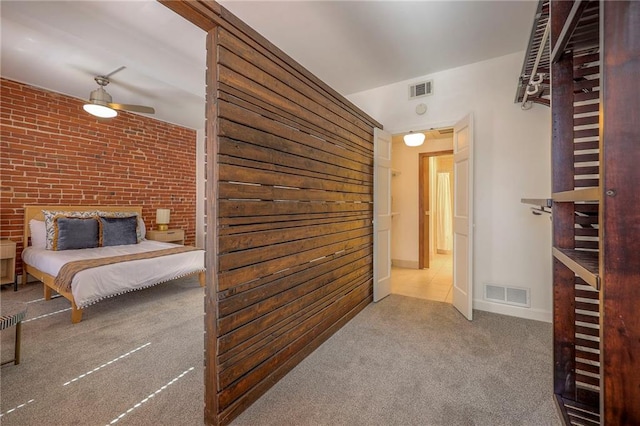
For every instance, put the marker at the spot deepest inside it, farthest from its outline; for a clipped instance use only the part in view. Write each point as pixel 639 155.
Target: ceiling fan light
pixel 100 110
pixel 414 139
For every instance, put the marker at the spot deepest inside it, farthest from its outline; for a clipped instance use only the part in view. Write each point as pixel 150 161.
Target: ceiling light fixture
pixel 101 104
pixel 413 139
pixel 99 101
pixel 100 110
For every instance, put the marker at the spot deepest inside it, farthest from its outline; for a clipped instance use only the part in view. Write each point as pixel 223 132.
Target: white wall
pixel 512 247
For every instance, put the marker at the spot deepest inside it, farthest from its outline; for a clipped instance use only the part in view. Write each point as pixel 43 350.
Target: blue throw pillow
pixel 75 233
pixel 118 231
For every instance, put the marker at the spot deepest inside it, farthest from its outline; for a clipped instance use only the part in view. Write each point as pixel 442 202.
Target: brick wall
pixel 53 152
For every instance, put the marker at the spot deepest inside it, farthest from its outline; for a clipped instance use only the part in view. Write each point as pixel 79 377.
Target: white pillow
pixel 38 233
pixel 142 229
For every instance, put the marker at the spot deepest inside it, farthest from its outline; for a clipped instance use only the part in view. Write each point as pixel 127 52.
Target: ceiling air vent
pixel 418 90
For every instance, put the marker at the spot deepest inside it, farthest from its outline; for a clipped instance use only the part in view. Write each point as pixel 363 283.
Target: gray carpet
pixel 406 361
pixel 128 348
pixel 402 361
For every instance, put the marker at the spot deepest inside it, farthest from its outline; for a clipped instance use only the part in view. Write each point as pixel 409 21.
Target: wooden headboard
pixel 35 212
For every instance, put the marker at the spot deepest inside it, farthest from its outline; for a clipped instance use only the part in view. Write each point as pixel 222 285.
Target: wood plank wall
pixel 620 238
pixel 563 213
pixel 290 176
pixel 576 147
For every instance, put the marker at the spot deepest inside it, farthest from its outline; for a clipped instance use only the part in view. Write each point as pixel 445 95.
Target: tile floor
pixel 435 283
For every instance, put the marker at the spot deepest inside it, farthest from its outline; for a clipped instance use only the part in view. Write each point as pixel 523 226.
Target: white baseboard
pixel 514 311
pixel 410 264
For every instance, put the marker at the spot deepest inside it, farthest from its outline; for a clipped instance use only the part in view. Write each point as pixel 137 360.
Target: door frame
pixel 422 203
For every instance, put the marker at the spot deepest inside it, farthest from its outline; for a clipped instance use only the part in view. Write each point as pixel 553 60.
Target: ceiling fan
pixel 100 102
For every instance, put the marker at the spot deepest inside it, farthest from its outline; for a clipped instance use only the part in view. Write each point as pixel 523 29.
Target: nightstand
pixel 175 236
pixel 8 263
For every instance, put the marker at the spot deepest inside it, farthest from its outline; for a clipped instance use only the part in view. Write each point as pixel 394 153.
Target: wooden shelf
pixel 568 29
pixel 587 194
pixel 542 202
pixel 576 413
pixel 585 264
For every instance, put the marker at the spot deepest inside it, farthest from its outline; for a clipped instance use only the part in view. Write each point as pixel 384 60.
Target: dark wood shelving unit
pixel 584 264
pixel 542 202
pixel 594 62
pixel 585 194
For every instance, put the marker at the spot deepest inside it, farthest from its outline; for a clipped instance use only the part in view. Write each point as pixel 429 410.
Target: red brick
pixel 55 153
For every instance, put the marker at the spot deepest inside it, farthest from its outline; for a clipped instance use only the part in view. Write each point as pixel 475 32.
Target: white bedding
pixel 91 285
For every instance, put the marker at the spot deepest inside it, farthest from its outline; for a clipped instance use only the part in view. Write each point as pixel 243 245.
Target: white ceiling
pixel 351 45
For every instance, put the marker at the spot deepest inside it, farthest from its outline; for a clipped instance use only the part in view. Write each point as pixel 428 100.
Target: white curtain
pixel 444 216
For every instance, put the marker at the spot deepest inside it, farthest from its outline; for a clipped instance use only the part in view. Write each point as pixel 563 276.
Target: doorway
pixel 430 276
pixel 435 218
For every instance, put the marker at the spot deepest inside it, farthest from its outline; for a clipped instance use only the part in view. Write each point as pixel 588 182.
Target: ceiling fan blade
pixel 134 108
pixel 115 71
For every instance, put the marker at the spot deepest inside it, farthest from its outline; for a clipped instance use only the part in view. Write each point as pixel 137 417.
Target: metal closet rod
pixel 534 70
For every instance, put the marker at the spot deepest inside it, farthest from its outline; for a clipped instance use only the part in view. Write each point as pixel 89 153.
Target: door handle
pixel 427 213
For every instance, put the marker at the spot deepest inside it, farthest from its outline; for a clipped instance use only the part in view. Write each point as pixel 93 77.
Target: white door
pixel 381 214
pixel 463 216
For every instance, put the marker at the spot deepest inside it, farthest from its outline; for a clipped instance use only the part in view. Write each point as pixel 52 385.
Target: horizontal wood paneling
pixel 289 221
pixel 289 214
pixel 246 241
pixel 290 279
pixel 243 117
pixel 318 338
pixel 242 227
pixel 293 187
pixel 286 335
pixel 246 274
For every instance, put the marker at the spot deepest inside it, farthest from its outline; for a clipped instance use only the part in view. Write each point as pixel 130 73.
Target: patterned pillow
pixel 72 233
pixel 49 215
pixel 140 230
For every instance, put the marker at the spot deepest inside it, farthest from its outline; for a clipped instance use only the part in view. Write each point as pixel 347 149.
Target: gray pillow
pixel 75 233
pixel 118 231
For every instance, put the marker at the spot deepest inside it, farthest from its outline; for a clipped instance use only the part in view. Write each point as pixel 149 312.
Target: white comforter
pixel 91 285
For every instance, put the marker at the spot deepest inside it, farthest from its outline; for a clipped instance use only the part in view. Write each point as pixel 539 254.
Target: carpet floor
pixel 407 361
pixel 136 359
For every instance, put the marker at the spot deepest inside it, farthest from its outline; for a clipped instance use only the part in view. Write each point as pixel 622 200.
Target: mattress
pixel 92 285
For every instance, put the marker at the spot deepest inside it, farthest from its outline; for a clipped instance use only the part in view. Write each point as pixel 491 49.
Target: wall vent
pixel 508 295
pixel 421 89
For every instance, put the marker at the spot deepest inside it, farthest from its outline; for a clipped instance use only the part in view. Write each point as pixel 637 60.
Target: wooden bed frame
pixel 35 212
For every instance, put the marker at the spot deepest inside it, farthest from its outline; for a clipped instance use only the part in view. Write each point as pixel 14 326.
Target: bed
pixel 87 275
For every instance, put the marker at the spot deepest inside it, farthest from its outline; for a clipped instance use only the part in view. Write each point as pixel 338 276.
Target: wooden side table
pixel 8 263
pixel 175 236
